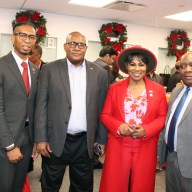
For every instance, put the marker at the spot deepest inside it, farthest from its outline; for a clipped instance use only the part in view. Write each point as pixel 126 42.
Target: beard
pixel 24 53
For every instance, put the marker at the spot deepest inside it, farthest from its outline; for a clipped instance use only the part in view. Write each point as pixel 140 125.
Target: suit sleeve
pixel 41 107
pixel 6 138
pixel 102 131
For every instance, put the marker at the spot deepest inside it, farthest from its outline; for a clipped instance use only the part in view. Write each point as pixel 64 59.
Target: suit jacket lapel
pixel 63 68
pixel 174 95
pixel 15 70
pixel 187 110
pixel 121 96
pixel 89 80
pixel 150 95
pixel 33 77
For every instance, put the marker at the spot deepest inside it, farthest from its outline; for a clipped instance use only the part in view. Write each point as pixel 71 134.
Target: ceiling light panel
pixel 91 3
pixel 125 6
pixel 185 16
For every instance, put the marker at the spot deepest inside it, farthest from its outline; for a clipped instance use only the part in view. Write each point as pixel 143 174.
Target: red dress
pixel 124 153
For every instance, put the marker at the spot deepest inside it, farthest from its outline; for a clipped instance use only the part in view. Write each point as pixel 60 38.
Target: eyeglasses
pixel 23 36
pixel 73 44
pixel 183 66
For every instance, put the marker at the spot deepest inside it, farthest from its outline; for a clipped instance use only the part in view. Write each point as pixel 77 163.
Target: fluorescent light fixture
pixel 91 3
pixel 185 16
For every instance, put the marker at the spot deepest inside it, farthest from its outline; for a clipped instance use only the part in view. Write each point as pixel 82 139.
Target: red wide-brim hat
pixel 152 60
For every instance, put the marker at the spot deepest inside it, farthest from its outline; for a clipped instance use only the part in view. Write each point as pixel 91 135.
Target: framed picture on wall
pixel 51 42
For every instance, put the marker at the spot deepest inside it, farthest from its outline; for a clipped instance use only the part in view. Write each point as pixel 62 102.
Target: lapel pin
pixel 150 93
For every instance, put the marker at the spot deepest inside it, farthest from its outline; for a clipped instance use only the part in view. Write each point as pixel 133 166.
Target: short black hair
pixel 132 56
pixel 107 50
pixel 18 24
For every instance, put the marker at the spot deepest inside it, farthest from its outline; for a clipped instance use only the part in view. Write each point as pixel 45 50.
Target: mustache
pixel 188 72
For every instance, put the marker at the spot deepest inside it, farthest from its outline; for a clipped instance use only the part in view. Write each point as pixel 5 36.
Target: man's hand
pixel 35 153
pixel 44 148
pixel 101 150
pixel 103 147
pixel 14 155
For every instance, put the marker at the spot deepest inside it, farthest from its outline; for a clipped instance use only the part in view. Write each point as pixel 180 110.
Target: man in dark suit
pixel 174 79
pixel 178 134
pixel 154 76
pixel 17 109
pixel 70 97
pixel 35 56
pixel 107 56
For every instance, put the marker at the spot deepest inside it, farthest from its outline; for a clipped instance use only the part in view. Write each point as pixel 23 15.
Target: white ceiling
pixel 152 15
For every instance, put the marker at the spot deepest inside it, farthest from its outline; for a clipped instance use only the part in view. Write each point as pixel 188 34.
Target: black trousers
pixel 75 155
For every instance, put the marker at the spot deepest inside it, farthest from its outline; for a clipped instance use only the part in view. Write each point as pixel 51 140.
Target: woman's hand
pixel 138 132
pixel 125 130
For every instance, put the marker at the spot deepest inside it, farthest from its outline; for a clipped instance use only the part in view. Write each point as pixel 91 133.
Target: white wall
pixel 61 25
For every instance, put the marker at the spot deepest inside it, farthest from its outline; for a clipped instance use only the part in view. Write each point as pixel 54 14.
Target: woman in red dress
pixel 134 114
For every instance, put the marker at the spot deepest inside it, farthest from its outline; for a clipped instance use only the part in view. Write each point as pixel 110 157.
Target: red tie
pixel 25 76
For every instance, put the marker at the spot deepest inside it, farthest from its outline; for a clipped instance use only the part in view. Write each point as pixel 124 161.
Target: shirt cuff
pixel 10 146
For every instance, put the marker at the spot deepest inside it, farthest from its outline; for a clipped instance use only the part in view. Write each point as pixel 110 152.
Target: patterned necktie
pixel 25 77
pixel 171 133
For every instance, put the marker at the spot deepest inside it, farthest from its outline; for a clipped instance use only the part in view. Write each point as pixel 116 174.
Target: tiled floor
pixel 35 175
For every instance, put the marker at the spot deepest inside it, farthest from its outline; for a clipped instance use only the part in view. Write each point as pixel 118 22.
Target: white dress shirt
pixel 77 78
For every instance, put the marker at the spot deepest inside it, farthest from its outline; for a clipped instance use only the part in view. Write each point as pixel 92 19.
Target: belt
pixel 76 135
pixel 26 123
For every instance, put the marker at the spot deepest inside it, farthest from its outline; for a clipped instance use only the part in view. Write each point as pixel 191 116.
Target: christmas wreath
pixel 113 30
pixel 175 36
pixel 38 21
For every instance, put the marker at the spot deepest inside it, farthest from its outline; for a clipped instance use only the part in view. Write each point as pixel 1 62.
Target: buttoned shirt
pixel 77 78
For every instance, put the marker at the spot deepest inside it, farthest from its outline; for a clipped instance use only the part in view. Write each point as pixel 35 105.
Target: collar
pixel 72 66
pixel 18 59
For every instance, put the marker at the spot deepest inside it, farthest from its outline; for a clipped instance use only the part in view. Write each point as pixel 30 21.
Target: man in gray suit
pixel 154 76
pixel 107 56
pixel 179 162
pixel 16 109
pixel 70 97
